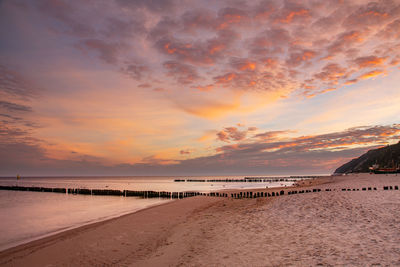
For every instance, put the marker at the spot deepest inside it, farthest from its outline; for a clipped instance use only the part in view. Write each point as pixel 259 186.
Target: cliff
pixel 384 156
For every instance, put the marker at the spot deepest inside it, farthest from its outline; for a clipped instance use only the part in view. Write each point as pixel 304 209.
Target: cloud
pixel 107 51
pixel 13 84
pixel 204 88
pixel 153 5
pixel 270 135
pixel 290 14
pixel 369 61
pixel 199 52
pixel 243 64
pixel 229 16
pixel 135 70
pixel 371 14
pixel 391 31
pixel 232 134
pixel 270 41
pixel 226 78
pixel 345 40
pixel 201 18
pixel 332 73
pixel 298 58
pixel 67 13
pixel 305 48
pixel 16 93
pixel 363 135
pixel 14 107
pixel 310 150
pixel 183 73
pixel 121 29
pixel 207 108
pixel 371 74
pixel 184 152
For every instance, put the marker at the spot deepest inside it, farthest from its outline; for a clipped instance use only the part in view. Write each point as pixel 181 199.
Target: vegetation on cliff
pixel 385 157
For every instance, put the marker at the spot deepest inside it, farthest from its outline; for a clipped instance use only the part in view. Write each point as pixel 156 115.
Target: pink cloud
pixel 184 74
pixel 231 134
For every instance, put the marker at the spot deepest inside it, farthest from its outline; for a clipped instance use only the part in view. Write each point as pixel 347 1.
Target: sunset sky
pixel 180 87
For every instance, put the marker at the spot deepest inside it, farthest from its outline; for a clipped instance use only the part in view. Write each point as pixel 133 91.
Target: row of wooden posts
pixel 177 195
pixel 105 192
pixel 248 194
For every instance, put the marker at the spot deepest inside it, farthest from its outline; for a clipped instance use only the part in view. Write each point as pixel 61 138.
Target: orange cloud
pixel 352 81
pixel 208 109
pixel 248 66
pixel 370 61
pixel 226 78
pixel 168 49
pixel 371 74
pixel 313 94
pixel 299 13
pixel 376 14
pixel 205 88
pixel 216 47
pixel 229 16
pixel 298 58
pixel 353 36
pixel 270 62
pixel 229 19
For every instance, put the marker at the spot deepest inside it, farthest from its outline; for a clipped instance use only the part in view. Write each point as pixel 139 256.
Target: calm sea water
pixel 26 216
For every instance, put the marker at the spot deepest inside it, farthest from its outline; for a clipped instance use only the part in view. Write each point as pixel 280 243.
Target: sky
pixel 181 87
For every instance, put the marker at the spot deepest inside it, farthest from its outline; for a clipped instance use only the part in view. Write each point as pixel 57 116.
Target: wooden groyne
pixel 105 192
pixel 181 195
pixel 248 179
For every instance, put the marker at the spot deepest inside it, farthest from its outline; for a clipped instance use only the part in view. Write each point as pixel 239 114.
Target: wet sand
pixel 352 228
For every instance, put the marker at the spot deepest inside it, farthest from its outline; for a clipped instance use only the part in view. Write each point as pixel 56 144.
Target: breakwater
pixel 181 195
pixel 249 179
pixel 105 192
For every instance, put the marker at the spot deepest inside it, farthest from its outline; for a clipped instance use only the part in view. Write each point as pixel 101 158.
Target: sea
pixel 27 216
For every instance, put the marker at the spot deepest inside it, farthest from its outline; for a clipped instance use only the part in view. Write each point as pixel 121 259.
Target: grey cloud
pixel 66 12
pixel 14 85
pixel 122 29
pixel 372 13
pixel 107 51
pixel 135 70
pixel 183 73
pixel 391 31
pixel 14 107
pixel 151 5
pixel 198 18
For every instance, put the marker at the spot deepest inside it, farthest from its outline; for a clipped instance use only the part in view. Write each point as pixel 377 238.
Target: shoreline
pixel 335 227
pixel 95 221
pixel 72 229
pixel 49 237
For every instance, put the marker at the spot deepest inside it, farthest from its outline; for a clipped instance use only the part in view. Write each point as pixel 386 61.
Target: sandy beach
pixel 352 228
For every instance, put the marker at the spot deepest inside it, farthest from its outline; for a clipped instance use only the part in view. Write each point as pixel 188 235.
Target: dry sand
pixel 357 228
